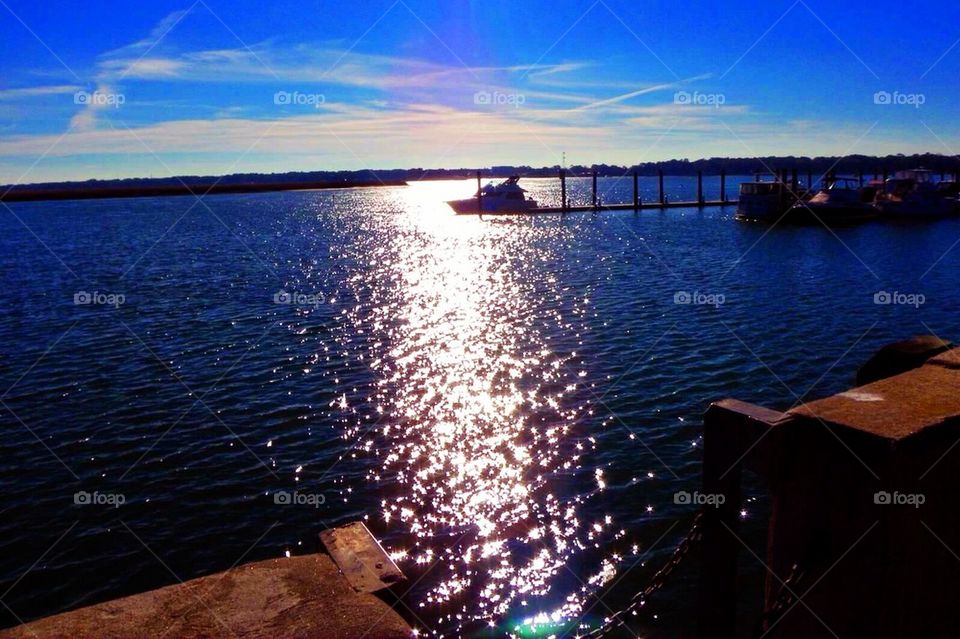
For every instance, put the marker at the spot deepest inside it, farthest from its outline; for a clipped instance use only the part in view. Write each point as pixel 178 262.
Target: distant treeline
pixel 847 165
pixel 244 182
pixel 201 183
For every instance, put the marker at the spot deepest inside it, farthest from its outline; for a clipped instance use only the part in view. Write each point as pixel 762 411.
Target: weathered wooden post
pixel 636 190
pixel 723 185
pixel 700 187
pixel 594 188
pixel 563 190
pixel 660 180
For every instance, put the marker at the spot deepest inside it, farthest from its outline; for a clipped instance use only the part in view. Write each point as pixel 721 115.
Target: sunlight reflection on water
pixel 481 414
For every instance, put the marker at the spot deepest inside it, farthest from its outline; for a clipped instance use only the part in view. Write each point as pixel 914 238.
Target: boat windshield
pixel 844 184
pixel 920 176
pixel 760 188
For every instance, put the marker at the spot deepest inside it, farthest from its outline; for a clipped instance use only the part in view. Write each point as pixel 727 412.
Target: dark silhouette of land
pixel 301 180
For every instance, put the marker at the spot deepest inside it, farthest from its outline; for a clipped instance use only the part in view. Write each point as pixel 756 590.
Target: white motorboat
pixel 505 197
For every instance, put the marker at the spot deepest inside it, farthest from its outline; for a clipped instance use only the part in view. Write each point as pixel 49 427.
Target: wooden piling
pixel 594 175
pixel 636 190
pixel 700 187
pixel 479 195
pixel 563 190
pixel 723 185
pixel 660 180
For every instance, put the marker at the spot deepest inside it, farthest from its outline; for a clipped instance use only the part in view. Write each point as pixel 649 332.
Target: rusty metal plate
pixel 360 557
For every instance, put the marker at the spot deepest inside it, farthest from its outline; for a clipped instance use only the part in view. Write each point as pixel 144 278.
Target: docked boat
pixel 765 200
pixel 914 194
pixel 842 200
pixel 505 197
pixel 949 188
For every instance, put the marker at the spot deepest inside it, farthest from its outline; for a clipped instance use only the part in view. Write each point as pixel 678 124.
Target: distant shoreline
pixel 852 165
pixel 21 194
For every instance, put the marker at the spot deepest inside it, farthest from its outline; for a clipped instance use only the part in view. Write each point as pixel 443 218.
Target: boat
pixel 505 197
pixel 765 200
pixel 913 194
pixel 842 200
pixel 949 188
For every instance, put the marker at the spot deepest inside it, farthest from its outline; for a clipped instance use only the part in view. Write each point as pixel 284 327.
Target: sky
pixel 208 87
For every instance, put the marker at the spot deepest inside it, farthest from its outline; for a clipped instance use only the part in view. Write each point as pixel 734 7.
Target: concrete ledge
pixel 300 597
pixel 897 407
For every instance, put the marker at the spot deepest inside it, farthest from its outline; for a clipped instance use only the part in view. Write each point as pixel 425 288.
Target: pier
pixel 864 510
pixel 318 595
pixel 662 202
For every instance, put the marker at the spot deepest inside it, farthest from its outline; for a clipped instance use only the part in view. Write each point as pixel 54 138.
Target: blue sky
pixel 99 89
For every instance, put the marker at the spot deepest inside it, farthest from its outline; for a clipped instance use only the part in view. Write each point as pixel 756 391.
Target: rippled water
pixel 509 403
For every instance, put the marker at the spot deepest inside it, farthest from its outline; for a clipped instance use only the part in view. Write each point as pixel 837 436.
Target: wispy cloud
pixel 644 91
pixel 379 108
pixel 33 92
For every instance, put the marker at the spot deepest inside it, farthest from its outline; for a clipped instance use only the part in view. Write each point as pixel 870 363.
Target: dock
pixel 624 207
pixel 316 595
pixel 864 514
pixel 596 206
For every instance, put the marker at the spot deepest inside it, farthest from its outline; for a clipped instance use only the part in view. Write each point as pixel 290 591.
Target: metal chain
pixel 784 598
pixel 658 581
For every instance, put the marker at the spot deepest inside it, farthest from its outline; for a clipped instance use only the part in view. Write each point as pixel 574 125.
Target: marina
pixel 479 320
pixel 591 305
pixel 831 200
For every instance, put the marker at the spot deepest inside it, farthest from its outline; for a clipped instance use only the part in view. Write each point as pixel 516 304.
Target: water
pixel 510 404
